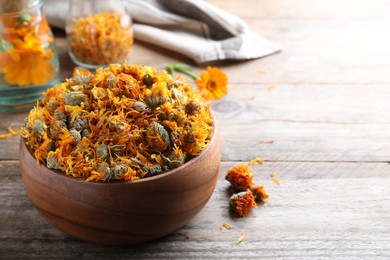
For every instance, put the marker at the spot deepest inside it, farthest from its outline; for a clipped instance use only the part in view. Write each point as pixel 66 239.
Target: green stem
pixel 182 68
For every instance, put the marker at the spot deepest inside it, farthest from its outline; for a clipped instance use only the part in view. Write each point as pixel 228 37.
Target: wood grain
pixel 324 100
pixel 308 216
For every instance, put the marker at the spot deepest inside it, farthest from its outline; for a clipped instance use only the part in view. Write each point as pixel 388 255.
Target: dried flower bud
pixel 85 133
pixel 80 80
pixel 157 137
pixel 175 84
pixel 148 80
pixel 80 123
pixel 52 161
pixel 104 169
pixel 75 98
pixel 110 81
pixel 58 115
pixel 56 128
pixel 192 108
pixel 155 101
pixel 52 105
pixel 242 203
pixel 38 126
pixel 116 126
pixel 177 94
pixel 102 152
pixel 120 169
pixel 76 135
pixel 154 170
pixel 141 107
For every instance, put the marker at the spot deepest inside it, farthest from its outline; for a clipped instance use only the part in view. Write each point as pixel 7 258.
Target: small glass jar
pixel 28 58
pixel 99 32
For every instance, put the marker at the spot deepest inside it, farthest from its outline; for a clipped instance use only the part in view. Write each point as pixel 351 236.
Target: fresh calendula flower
pixel 24 59
pixel 240 177
pixel 212 82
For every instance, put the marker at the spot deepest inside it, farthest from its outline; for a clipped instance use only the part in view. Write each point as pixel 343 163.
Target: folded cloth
pixel 193 28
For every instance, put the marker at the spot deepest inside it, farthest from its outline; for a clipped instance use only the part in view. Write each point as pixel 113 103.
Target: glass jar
pixel 28 58
pixel 99 32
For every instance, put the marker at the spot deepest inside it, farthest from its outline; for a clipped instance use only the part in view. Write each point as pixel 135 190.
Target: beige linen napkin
pixel 193 28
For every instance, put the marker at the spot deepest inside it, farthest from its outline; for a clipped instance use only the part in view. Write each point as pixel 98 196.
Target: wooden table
pixel 324 100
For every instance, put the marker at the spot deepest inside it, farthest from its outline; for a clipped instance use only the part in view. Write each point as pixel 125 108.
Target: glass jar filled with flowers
pixel 99 32
pixel 28 58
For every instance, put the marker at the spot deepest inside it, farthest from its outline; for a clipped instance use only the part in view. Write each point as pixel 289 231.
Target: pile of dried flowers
pixel 240 178
pixel 123 122
pixel 101 39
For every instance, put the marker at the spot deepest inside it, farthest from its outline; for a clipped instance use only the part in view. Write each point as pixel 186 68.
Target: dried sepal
pixel 75 98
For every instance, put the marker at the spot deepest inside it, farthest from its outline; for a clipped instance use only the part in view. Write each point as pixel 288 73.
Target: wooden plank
pixel 321 210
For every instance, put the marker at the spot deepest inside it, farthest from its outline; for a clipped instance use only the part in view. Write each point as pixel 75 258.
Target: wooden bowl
pixel 122 213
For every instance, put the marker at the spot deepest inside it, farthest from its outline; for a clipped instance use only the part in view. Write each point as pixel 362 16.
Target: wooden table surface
pixel 324 100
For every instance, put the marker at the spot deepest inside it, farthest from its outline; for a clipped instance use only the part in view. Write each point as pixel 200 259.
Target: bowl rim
pixel 213 139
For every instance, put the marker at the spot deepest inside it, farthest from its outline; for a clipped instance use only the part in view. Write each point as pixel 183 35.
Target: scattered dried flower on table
pixel 242 203
pixel 259 192
pixel 262 71
pixel 258 160
pixel 10 133
pixel 225 225
pixel 112 125
pixel 266 141
pixel 241 238
pixel 101 39
pixel 240 177
pixel 273 178
pixel 212 82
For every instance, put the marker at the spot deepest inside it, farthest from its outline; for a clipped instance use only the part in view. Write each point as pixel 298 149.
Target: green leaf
pixel 182 68
pixel 5 46
pixel 24 18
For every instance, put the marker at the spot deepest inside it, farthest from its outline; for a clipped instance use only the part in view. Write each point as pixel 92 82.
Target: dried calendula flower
pixel 124 122
pixel 240 177
pixel 241 203
pixel 102 38
pixel 259 192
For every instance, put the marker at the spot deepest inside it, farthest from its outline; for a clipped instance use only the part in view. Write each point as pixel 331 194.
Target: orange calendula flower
pixel 212 83
pixel 24 59
pixel 240 177
pixel 242 203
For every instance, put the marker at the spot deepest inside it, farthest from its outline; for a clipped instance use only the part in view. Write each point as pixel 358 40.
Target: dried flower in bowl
pixel 124 122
